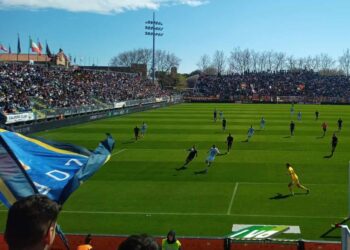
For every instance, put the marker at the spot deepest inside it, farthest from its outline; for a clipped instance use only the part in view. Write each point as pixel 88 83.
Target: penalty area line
pixel 232 198
pixel 118 152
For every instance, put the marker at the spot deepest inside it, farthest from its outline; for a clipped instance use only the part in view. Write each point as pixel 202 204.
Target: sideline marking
pixel 196 214
pixel 232 198
pixel 118 152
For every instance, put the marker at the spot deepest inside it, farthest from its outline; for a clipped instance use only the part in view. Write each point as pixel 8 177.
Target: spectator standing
pixel 170 242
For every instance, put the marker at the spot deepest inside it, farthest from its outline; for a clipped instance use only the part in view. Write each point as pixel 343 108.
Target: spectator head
pixel 171 237
pixel 139 242
pixel 31 223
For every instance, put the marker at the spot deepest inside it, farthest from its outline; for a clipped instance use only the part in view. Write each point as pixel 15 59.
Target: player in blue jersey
pixel 221 114
pixel 299 116
pixel 143 129
pixel 213 151
pixel 262 123
pixel 250 132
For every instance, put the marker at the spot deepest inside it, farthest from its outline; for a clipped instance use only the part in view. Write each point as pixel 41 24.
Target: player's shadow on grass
pixel 319 137
pixel 180 168
pixel 201 172
pixel 279 196
pixel 245 140
pixel 132 140
pixel 288 136
pixel 328 156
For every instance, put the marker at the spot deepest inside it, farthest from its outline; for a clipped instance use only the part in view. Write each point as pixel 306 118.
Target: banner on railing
pixel 21 117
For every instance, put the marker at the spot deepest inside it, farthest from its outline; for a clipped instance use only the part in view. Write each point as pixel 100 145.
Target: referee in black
pixel 229 141
pixel 193 153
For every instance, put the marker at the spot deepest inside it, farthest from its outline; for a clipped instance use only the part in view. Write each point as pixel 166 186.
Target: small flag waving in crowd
pixel 29 166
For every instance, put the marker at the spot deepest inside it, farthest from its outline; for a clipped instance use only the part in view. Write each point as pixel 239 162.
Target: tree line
pixel 247 60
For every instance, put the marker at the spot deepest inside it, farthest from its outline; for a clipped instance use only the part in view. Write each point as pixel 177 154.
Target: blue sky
pixel 100 29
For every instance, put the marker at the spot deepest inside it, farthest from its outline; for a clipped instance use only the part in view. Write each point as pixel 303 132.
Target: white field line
pixel 286 183
pixel 197 214
pixel 118 152
pixel 232 198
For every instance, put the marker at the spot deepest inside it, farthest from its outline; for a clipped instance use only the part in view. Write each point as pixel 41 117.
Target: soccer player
pixel 229 141
pixel 221 115
pixel 143 129
pixel 299 116
pixel 193 153
pixel 136 132
pixel 215 115
pixel 340 124
pixel 334 143
pixel 250 132
pixel 324 128
pixel 213 151
pixel 224 124
pixel 295 180
pixel 262 123
pixel 292 128
pixel 292 109
pixel 317 114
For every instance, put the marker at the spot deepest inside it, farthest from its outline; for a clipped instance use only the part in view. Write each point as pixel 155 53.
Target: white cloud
pixel 96 6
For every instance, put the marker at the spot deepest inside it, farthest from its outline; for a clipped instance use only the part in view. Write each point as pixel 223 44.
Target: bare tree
pixel 262 61
pixel 269 60
pixel 344 62
pixel 204 62
pixel 279 60
pixel 291 63
pixel 246 58
pixel 316 63
pixel 326 62
pixel 219 61
pixel 235 61
pixel 254 60
pixel 164 60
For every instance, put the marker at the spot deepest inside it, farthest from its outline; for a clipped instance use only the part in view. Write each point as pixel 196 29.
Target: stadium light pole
pixel 153 28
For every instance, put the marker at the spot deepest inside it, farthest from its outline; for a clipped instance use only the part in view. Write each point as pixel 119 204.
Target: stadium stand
pixel 57 87
pixel 308 84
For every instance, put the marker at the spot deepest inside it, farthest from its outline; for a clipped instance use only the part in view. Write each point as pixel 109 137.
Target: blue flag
pixel 30 165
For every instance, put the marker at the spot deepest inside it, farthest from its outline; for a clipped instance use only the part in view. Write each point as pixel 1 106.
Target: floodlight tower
pixel 153 28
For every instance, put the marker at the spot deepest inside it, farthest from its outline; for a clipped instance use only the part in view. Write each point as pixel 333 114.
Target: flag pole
pixel 30 44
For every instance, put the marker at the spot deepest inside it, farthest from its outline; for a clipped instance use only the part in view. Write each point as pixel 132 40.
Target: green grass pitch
pixel 139 190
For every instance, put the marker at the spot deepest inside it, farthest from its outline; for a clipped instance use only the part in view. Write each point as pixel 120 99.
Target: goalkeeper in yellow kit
pixel 295 180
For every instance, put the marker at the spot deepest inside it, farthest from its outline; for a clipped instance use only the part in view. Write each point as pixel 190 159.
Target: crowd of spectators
pixel 283 83
pixel 59 87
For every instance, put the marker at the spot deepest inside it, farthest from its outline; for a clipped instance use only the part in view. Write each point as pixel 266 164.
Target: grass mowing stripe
pixel 232 198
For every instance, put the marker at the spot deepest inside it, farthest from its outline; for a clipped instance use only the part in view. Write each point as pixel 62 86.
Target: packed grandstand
pixel 58 87
pixel 313 86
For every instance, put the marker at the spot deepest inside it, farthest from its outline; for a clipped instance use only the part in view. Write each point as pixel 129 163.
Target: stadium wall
pixel 188 243
pixel 53 124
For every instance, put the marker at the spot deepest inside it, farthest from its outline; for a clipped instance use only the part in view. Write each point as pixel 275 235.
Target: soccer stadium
pixel 140 146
